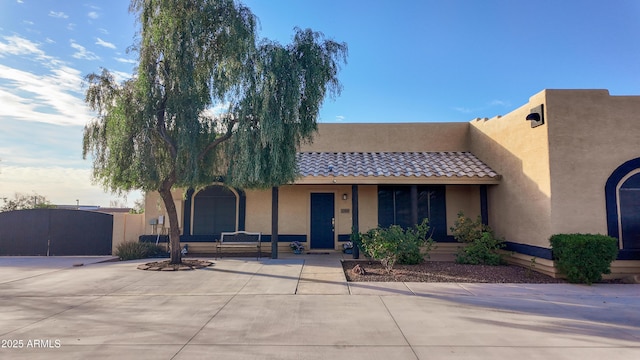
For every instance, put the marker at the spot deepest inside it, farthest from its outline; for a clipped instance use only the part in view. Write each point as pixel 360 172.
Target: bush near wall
pixel 395 244
pixel 483 246
pixel 131 250
pixel 583 258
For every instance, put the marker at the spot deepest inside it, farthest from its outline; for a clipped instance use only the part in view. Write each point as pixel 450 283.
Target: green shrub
pixel 482 244
pixel 583 258
pixel 482 251
pixel 131 250
pixel 396 245
pixel 465 230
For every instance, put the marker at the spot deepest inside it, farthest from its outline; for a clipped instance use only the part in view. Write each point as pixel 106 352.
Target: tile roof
pixel 393 164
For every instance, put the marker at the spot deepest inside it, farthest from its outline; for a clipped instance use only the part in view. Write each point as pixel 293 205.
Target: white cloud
pixel 16 45
pixel 58 14
pixel 500 103
pixel 71 26
pixel 492 103
pixel 42 117
pixel 126 61
pixel 53 96
pixel 104 31
pixel 68 78
pixel 105 43
pixel 340 118
pixel 463 110
pixel 83 53
pixel 93 15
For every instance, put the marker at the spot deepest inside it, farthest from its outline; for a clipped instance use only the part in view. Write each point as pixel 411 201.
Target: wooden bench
pixel 240 239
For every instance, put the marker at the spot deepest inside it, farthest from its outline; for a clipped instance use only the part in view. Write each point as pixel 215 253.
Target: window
pixel 214 211
pixel 629 197
pixel 394 207
pixel 622 199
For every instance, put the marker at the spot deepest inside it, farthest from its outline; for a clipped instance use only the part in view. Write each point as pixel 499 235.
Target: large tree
pixel 209 101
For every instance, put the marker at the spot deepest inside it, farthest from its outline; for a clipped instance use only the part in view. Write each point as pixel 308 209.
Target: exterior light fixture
pixel 344 197
pixel 536 116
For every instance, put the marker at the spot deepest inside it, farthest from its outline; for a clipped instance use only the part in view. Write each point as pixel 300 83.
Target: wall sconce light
pixel 344 197
pixel 536 116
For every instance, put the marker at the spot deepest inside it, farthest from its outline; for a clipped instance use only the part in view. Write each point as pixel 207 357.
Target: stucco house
pixel 567 161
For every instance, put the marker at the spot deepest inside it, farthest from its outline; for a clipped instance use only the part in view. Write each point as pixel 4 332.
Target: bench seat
pixel 240 239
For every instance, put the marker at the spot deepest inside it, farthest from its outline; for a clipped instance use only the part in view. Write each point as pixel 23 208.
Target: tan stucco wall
pixel 294 209
pixel 553 176
pixel 520 206
pixel 258 217
pixel 465 198
pixel 126 227
pixel 590 133
pixel 294 201
pixel 391 137
pixel 368 207
pixel 154 207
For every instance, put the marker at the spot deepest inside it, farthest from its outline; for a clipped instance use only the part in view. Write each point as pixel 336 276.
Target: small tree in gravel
pixel 396 245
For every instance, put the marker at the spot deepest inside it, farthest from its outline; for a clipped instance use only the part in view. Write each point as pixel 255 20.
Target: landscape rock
pixel 359 270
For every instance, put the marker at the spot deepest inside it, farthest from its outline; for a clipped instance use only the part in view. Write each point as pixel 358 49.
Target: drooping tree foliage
pixel 209 101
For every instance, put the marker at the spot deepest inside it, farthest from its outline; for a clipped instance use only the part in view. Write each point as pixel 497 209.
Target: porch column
pixel 242 209
pixel 186 218
pixel 484 211
pixel 274 222
pixel 355 223
pixel 414 204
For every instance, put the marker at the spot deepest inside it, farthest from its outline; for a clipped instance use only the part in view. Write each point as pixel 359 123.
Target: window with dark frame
pixel 394 207
pixel 214 211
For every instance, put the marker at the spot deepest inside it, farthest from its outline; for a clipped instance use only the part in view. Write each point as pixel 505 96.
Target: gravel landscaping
pixel 445 271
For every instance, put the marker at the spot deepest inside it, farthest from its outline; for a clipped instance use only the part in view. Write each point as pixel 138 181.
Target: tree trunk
pixel 172 214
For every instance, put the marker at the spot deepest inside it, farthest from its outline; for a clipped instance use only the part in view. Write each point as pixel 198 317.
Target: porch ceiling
pixel 394 167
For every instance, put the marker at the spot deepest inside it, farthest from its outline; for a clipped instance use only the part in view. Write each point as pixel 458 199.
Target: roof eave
pixel 406 180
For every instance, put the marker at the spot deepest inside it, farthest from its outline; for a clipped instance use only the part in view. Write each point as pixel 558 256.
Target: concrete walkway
pixel 298 307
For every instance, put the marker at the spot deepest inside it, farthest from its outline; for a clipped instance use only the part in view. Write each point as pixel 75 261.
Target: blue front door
pixel 322 220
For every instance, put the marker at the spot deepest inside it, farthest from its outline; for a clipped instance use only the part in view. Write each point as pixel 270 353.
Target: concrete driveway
pixel 298 308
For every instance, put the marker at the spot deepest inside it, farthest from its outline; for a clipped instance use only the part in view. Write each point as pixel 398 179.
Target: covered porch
pixel 338 193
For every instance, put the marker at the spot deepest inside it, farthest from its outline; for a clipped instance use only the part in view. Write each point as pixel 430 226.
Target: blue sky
pixel 409 61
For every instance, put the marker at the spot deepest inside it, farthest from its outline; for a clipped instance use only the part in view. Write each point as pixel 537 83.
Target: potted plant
pixel 297 247
pixel 347 247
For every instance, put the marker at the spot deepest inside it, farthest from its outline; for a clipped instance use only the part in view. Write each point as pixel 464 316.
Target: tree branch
pixel 162 128
pixel 217 141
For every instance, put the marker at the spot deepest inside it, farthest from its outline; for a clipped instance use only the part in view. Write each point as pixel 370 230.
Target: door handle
pixel 333 224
